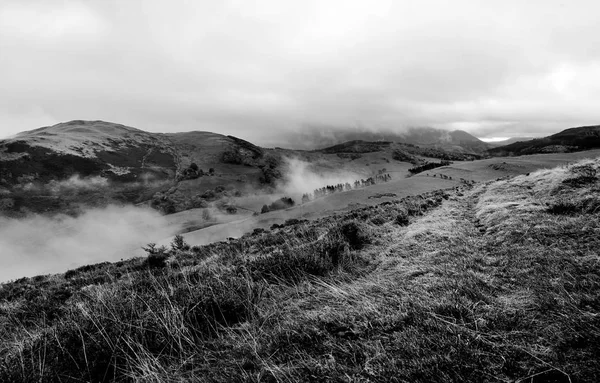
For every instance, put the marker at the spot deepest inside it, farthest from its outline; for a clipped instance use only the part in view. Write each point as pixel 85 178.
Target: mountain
pixel 453 141
pixel 86 148
pixel 35 164
pixel 569 140
pixel 456 140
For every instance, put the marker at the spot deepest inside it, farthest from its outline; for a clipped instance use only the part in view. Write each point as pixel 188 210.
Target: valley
pixel 363 261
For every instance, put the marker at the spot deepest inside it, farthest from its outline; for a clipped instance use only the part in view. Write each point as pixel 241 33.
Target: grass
pixel 486 284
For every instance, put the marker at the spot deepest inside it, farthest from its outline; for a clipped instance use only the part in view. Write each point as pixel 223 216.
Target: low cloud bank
pixel 41 245
pixel 79 183
pixel 301 177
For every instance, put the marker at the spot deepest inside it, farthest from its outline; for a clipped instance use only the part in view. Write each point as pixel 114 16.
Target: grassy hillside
pixel 500 282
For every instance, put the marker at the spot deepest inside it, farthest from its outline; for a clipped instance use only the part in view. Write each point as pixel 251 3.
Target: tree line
pixel 428 166
pixel 330 189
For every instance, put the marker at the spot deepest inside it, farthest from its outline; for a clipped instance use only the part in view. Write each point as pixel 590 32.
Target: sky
pixel 264 69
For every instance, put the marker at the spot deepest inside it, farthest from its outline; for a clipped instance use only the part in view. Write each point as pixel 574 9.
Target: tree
pixel 305 198
pixel 193 166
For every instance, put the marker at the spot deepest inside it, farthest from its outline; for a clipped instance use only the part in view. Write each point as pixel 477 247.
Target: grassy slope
pixel 318 208
pixel 497 283
pixel 479 170
pixel 493 168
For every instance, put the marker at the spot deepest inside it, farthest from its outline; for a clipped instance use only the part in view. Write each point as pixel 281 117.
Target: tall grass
pixel 482 285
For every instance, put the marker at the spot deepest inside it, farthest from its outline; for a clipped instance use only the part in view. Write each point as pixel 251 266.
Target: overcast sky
pixel 258 69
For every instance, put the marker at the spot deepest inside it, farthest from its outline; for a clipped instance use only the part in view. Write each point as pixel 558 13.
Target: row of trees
pixel 330 189
pixel 282 203
pixel 428 166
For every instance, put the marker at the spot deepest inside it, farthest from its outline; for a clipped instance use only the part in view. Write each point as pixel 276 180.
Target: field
pixel 498 281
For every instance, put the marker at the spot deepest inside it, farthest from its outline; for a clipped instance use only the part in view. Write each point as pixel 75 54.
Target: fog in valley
pixel 301 177
pixel 41 245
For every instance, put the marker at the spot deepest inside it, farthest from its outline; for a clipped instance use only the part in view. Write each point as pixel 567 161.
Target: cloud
pixel 265 68
pixel 39 244
pixel 300 177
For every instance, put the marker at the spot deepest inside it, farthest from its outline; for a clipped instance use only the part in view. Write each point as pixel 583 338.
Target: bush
pixel 402 156
pixel 157 257
pixel 402 219
pixel 282 203
pixel 354 234
pixel 232 156
pixel 157 260
pixel 179 243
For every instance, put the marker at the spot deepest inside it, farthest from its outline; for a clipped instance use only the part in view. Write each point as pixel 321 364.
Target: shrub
pixel 157 260
pixel 402 219
pixel 232 156
pixel 402 156
pixel 157 257
pixel 291 222
pixel 208 195
pixel 354 234
pixel 179 243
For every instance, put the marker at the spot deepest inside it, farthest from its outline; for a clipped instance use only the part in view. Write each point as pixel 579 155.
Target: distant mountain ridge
pixel 568 140
pixel 454 141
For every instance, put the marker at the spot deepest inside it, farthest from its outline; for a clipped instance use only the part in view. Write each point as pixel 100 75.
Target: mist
pixel 79 183
pixel 302 177
pixel 41 245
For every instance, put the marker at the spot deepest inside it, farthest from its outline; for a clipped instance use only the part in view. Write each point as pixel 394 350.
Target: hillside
pixel 121 164
pixel 569 140
pixel 86 148
pixel 496 282
pixel 399 151
pixel 72 166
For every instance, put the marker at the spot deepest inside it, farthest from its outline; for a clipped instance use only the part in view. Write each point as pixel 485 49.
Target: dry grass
pixel 493 285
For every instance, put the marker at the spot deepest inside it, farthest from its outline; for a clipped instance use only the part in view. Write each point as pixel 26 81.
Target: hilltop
pixel 485 282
